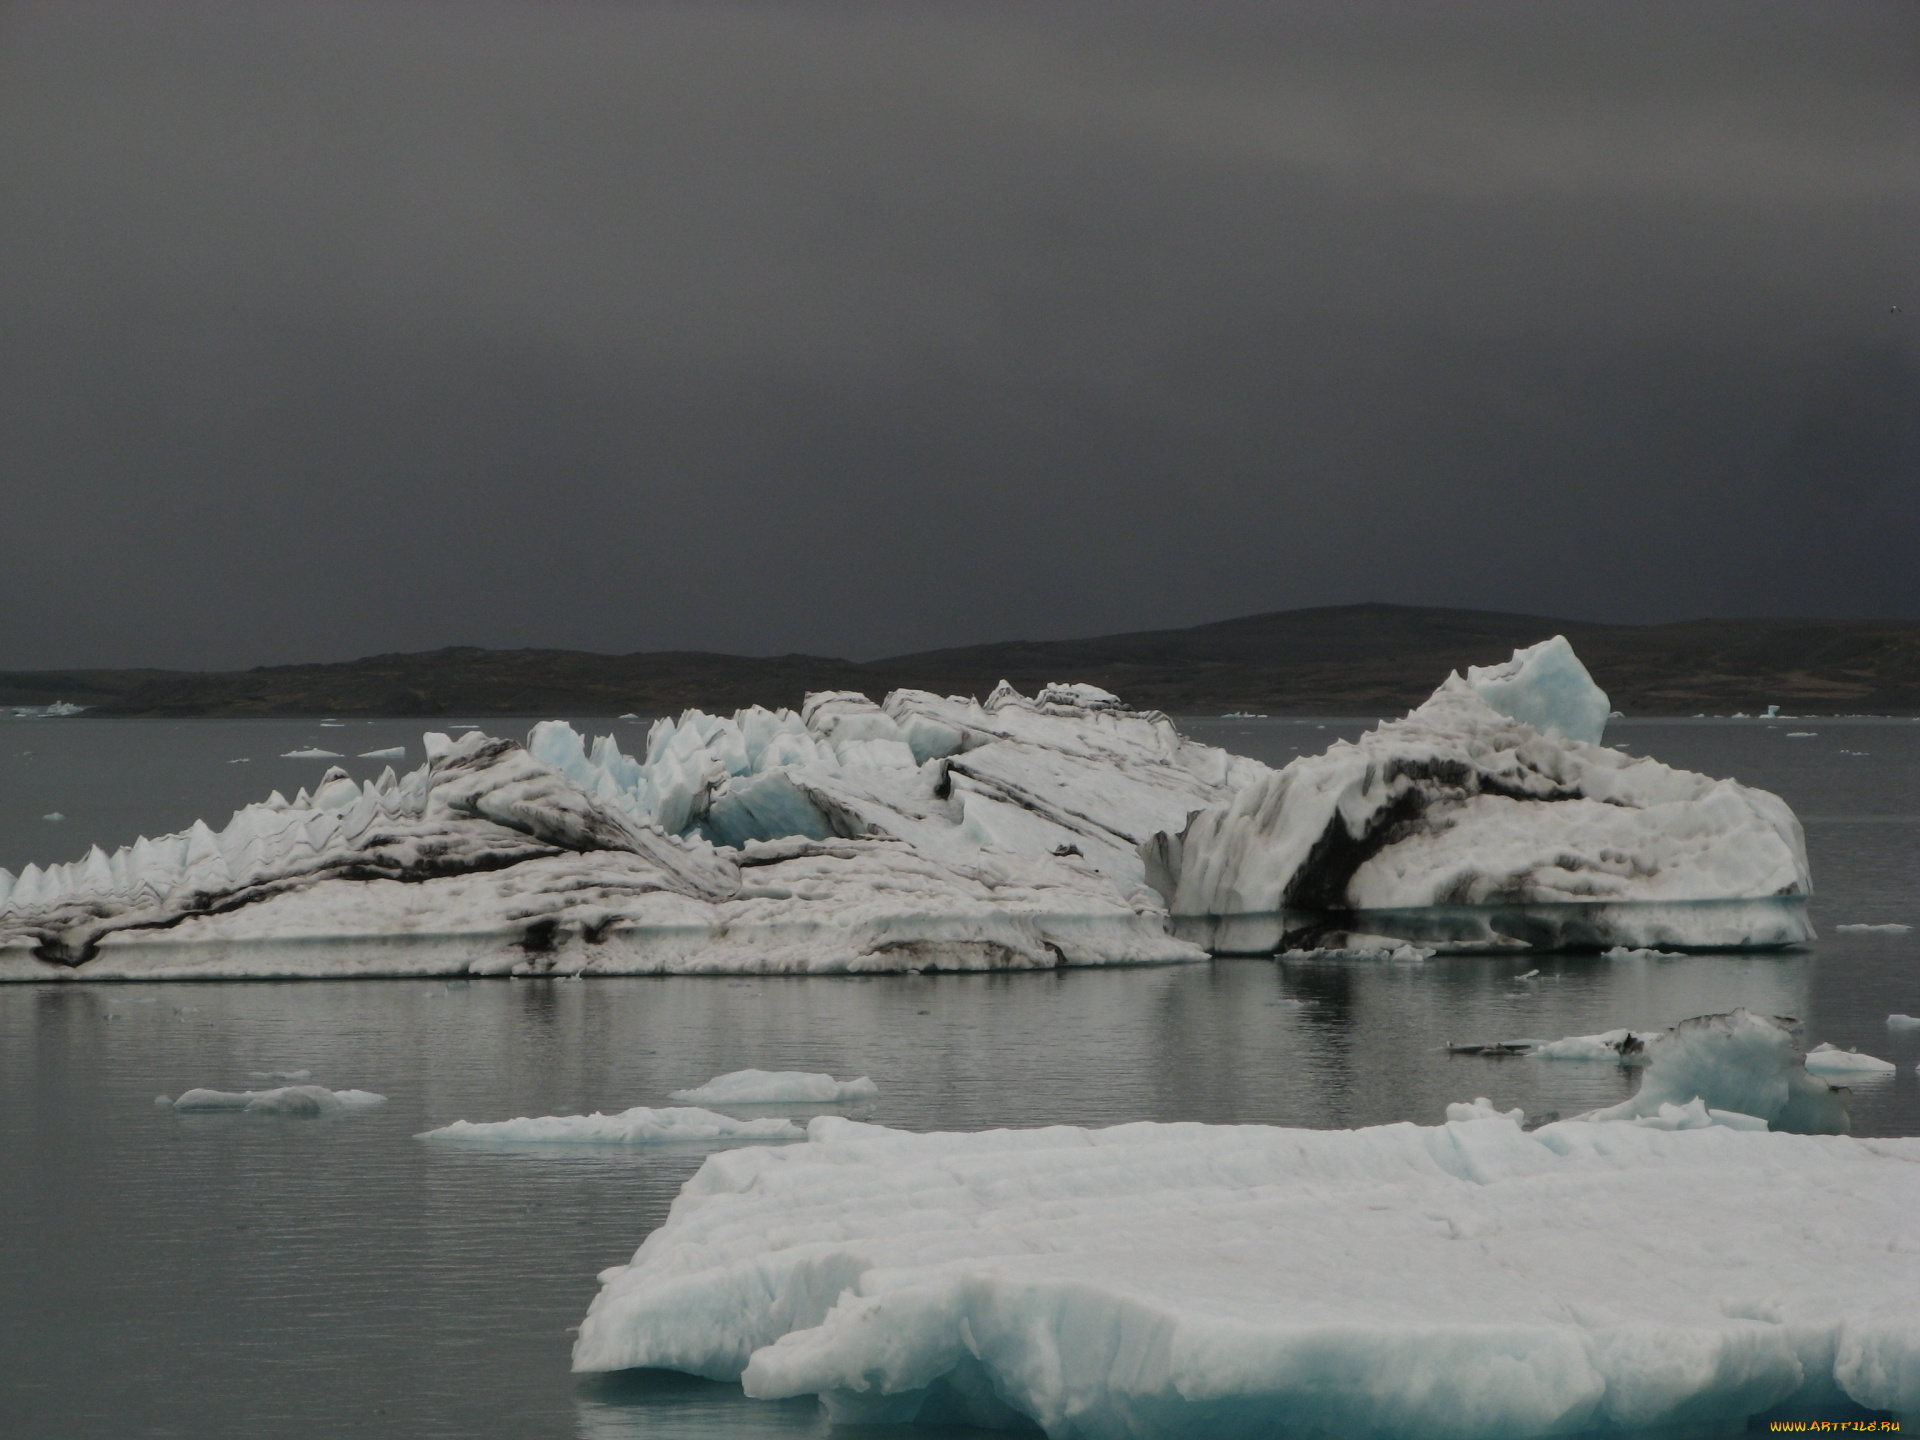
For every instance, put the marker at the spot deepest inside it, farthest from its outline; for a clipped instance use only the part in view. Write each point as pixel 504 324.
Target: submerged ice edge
pixel 1765 923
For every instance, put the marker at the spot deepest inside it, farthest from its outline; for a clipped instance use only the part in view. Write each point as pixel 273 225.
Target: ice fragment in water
pixel 310 753
pixel 777 1087
pixel 1746 1063
pixel 1831 1060
pixel 392 752
pixel 638 1126
pixel 1903 1022
pixel 304 1100
pixel 1873 929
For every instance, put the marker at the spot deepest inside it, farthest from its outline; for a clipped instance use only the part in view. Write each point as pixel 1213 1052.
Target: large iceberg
pixel 1489 817
pixel 1469 1279
pixel 923 833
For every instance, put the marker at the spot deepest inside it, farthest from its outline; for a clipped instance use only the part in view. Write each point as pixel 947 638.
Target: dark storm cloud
pixel 340 328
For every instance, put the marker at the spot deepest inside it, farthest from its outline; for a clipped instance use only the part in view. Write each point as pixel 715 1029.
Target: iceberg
pixel 925 833
pixel 1162 1280
pixel 638 1126
pixel 1489 818
pixel 778 1087
pixel 301 1100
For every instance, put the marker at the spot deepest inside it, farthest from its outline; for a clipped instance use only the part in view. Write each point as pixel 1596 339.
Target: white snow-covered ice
pixel 1149 1280
pixel 302 1100
pixel 777 1087
pixel 1490 817
pixel 638 1126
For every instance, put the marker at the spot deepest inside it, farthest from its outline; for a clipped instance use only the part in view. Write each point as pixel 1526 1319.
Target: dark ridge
pixel 1354 659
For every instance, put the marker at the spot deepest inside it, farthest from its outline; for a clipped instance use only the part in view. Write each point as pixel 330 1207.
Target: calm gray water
pixel 234 1275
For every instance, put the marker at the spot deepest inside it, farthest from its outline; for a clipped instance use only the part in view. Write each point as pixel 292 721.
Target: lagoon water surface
pixel 245 1275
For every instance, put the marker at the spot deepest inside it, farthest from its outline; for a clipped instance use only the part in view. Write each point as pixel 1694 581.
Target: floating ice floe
pixel 1903 1022
pixel 927 833
pixel 1831 1060
pixel 311 753
pixel 1872 929
pixel 54 817
pixel 293 1075
pixel 1739 1062
pixel 1489 818
pixel 638 1126
pixel 392 752
pixel 1185 1280
pixel 777 1087
pixel 304 1100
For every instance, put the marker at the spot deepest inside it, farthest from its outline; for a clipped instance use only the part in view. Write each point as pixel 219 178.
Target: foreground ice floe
pixel 1468 1279
pixel 282 1100
pixel 638 1126
pixel 777 1087
pixel 925 833
pixel 1490 817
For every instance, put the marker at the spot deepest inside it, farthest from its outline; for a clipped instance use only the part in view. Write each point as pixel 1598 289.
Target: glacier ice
pixel 1547 687
pixel 1464 826
pixel 925 833
pixel 1741 1062
pixel 1186 1279
pixel 931 833
pixel 301 1100
pixel 1831 1060
pixel 638 1126
pixel 777 1087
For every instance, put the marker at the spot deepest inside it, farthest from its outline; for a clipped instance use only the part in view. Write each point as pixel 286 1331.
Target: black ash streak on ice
pixel 962 292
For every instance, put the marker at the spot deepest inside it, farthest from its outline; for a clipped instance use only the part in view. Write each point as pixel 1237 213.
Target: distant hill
pixel 1354 659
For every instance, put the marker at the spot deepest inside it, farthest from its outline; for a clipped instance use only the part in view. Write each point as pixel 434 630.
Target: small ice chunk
pixel 1483 1109
pixel 241 760
pixel 1903 1022
pixel 1622 1046
pixel 311 753
pixel 1832 1060
pixel 1853 929
pixel 638 1126
pixel 392 752
pixel 293 1075
pixel 777 1087
pixel 55 818
pixel 164 1101
pixel 284 1100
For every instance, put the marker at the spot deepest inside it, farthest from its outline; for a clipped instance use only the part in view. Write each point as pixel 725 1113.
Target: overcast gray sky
pixel 330 329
